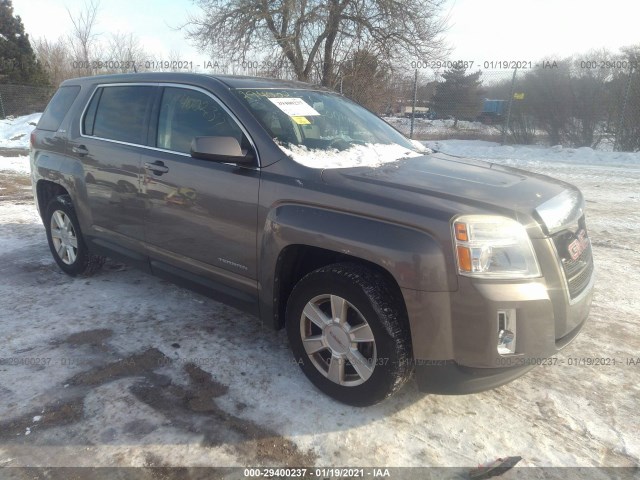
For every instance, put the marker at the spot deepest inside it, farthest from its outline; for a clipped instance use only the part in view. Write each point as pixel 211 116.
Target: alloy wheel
pixel 63 235
pixel 338 340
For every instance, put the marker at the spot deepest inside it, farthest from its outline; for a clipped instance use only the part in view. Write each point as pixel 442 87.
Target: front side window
pixel 186 113
pixel 119 113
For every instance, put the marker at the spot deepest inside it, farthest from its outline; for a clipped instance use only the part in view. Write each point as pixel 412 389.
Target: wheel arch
pixel 46 190
pixel 53 173
pixel 298 239
pixel 297 260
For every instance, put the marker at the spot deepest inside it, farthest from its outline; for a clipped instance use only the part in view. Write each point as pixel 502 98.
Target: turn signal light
pixel 464 259
pixel 461 232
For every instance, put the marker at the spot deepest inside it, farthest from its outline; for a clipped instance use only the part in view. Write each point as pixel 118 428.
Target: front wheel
pixel 349 334
pixel 65 239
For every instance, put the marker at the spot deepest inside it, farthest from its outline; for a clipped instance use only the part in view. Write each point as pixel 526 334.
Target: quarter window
pixel 58 108
pixel 119 113
pixel 185 114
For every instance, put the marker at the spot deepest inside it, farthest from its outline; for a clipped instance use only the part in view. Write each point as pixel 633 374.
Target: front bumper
pixel 449 378
pixel 455 334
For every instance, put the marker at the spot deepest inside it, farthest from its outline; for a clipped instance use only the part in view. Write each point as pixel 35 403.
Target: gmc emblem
pixel 579 245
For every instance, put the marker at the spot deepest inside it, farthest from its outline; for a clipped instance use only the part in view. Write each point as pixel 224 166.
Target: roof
pixel 231 81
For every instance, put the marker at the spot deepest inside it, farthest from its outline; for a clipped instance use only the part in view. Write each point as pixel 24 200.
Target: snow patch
pixel 15 132
pixel 15 164
pixel 369 155
pixel 534 155
pixel 423 126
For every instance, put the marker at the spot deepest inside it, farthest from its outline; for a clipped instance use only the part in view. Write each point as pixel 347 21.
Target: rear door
pixel 114 127
pixel 203 214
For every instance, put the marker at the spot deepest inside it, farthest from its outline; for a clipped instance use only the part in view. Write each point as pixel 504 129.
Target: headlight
pixel 490 246
pixel 561 210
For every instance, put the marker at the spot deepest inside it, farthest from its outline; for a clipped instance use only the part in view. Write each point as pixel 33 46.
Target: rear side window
pixel 119 113
pixel 58 108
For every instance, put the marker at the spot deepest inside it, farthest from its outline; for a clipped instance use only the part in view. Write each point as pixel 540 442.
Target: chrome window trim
pixel 164 84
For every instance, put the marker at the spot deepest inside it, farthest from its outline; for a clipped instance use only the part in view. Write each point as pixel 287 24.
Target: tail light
pixel 32 139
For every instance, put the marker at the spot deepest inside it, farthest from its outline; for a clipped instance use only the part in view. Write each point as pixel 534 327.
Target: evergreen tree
pixel 459 95
pixel 17 61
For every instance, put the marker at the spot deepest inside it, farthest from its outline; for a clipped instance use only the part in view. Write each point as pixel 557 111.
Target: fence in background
pixel 574 108
pixel 580 107
pixel 16 100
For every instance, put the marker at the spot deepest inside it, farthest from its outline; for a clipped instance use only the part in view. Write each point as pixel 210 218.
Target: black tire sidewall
pixel 385 377
pixel 82 258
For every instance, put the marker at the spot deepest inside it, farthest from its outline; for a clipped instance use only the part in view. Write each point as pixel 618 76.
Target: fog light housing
pixel 506 332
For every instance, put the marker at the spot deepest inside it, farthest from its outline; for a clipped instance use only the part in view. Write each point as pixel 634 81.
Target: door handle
pixel 80 150
pixel 157 167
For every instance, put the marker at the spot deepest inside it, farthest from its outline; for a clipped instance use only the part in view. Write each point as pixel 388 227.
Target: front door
pixel 203 214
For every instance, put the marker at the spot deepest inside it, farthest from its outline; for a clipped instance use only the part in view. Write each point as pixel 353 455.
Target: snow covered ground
pixel 533 156
pixel 425 128
pixel 14 132
pixel 18 164
pixel 113 369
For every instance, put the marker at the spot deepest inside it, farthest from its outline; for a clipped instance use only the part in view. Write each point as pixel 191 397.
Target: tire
pixel 362 353
pixel 65 239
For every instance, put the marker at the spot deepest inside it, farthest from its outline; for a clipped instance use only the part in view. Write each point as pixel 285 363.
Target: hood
pixel 466 181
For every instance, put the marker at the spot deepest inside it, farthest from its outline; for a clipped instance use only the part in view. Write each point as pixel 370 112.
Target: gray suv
pixel 382 259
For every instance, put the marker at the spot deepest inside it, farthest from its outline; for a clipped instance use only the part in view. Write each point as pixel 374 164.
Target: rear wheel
pixel 349 334
pixel 65 239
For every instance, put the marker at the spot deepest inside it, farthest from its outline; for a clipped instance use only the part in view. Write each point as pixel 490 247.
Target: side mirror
pixel 220 149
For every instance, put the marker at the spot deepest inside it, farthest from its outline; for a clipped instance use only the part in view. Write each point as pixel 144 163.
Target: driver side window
pixel 185 114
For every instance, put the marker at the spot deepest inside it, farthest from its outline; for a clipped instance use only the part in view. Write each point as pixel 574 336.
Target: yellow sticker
pixel 301 120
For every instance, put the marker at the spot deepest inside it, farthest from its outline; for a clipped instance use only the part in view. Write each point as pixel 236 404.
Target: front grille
pixel 577 268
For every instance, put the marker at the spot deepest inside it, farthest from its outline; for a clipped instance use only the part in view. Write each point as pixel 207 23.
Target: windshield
pixel 324 130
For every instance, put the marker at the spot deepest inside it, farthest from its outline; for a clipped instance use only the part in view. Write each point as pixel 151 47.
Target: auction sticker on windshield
pixel 301 120
pixel 294 107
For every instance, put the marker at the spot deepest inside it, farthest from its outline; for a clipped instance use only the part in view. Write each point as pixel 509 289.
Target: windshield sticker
pixel 294 107
pixel 301 120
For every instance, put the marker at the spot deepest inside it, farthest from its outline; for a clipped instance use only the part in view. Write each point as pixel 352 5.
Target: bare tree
pixel 548 98
pixel 125 53
pixel 75 55
pixel 83 37
pixel 589 99
pixel 365 79
pixel 627 124
pixel 56 59
pixel 314 36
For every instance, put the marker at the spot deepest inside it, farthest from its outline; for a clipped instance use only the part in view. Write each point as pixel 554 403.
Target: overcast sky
pixel 481 30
